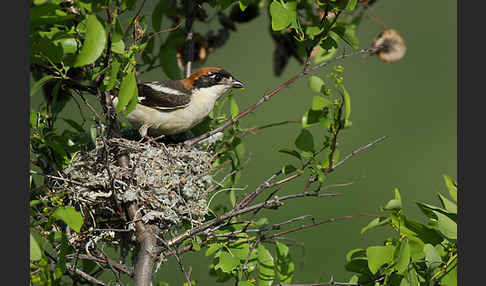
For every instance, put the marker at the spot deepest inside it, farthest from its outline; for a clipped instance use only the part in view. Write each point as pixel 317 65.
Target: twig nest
pixel 168 183
pixel 391 45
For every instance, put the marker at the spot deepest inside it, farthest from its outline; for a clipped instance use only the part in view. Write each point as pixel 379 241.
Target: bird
pixel 174 106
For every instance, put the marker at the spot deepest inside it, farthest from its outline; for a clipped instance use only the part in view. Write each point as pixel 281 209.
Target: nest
pixel 168 183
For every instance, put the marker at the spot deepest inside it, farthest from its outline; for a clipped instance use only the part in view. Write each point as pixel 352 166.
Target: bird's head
pixel 214 81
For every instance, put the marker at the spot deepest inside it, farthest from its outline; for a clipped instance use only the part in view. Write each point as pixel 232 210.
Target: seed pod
pixel 391 46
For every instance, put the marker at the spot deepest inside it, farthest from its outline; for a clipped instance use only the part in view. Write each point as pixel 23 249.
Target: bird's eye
pixel 216 77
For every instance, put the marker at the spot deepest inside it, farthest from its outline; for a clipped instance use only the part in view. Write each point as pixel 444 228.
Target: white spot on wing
pixel 164 89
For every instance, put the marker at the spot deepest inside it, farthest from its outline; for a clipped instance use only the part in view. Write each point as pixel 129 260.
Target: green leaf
pixel 288 169
pixel 378 256
pixel 450 277
pixel 110 79
pixel 70 216
pixel 446 225
pixel 244 3
pixel 312 31
pixel 416 247
pixel 448 205
pixel 195 245
pixel 347 105
pixel 379 221
pixel 40 83
pixel 356 261
pixel 430 210
pixel 69 45
pixel 319 102
pixel 239 147
pixel 227 262
pixel 282 249
pixel 240 249
pixel 245 283
pixel 402 256
pixel 266 272
pixel 351 4
pixel 354 279
pixel 157 14
pixel 358 265
pixel 329 43
pixel 34 116
pixel 315 83
pixel 74 124
pixel 232 197
pixel 213 248
pixel 117 45
pixel 347 32
pixel 356 253
pixel 281 17
pixel 128 88
pixel 425 233
pixel 35 251
pixel 94 42
pixel 323 54
pixel 233 107
pixel 305 141
pixel 395 204
pixel 410 278
pixel 285 265
pixel 290 152
pixel 451 186
pixel 432 257
pixel 262 222
pixel 311 117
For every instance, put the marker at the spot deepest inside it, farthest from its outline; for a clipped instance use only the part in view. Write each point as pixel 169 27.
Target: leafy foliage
pixel 420 254
pixel 101 48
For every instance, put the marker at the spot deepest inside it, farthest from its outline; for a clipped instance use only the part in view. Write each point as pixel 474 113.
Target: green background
pixel 413 101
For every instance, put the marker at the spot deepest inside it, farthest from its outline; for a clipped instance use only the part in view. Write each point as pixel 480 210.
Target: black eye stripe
pixel 211 79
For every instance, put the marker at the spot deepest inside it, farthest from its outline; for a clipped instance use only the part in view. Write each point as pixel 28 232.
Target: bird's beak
pixel 237 84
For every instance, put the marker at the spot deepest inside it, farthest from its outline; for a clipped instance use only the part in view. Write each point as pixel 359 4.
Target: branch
pixel 86 276
pixel 360 149
pixel 120 267
pixel 73 269
pixel 332 282
pixel 268 95
pixel 274 203
pixel 302 227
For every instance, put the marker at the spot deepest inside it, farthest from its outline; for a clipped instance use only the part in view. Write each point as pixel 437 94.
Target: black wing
pixel 165 95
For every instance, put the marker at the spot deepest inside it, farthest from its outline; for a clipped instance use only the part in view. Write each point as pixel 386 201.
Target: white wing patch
pixel 166 90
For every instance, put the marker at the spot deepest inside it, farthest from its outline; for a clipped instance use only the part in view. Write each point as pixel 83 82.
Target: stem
pixel 268 95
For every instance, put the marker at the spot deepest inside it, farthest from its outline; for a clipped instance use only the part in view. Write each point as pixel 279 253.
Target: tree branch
pixel 268 95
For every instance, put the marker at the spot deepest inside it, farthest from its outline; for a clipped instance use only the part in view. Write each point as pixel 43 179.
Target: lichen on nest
pixel 168 183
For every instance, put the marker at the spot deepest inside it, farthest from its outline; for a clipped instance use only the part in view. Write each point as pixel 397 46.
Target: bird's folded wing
pixel 166 95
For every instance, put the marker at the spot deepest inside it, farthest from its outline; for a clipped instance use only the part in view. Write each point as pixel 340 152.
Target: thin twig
pixel 115 273
pixel 302 227
pixel 187 275
pixel 120 267
pixel 251 196
pixel 134 18
pixel 57 178
pixel 245 265
pixel 332 282
pixel 360 149
pixel 75 270
pixel 236 212
pixel 275 91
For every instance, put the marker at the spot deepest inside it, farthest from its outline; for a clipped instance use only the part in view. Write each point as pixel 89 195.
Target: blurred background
pixel 412 101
